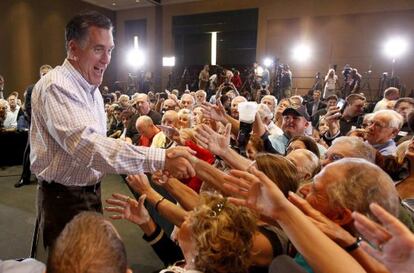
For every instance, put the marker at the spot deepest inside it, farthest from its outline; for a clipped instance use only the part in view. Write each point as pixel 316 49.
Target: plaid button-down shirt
pixel 68 134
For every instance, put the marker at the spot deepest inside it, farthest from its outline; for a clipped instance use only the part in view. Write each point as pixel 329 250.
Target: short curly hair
pixel 223 233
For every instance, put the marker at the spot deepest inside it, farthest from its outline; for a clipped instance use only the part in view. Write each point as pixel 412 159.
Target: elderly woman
pixel 210 238
pixel 185 118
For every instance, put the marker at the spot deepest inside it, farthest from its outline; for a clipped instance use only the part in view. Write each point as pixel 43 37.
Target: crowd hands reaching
pixel 325 182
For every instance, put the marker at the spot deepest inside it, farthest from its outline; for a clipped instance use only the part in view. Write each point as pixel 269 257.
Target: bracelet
pixel 158 203
pixel 353 246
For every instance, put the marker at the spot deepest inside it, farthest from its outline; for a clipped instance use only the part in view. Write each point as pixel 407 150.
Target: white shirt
pixel 68 134
pixel 381 105
pixel 10 121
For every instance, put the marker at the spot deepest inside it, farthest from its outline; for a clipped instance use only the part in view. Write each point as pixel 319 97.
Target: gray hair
pixel 361 184
pixel 359 148
pixel 310 163
pixel 395 120
pixel 264 112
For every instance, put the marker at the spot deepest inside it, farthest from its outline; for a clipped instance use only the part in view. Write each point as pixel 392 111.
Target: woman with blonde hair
pixel 216 237
pixel 330 83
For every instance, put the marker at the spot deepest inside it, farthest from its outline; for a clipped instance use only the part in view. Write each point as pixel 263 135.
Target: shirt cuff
pixel 155 159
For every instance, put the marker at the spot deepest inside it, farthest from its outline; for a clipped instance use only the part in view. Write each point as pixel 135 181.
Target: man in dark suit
pixel 316 104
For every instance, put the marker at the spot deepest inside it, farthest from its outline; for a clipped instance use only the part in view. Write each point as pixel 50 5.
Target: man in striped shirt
pixel 70 151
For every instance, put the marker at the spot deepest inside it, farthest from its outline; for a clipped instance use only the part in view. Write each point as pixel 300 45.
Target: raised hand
pixel 332 117
pixel 178 162
pixel 211 140
pixel 128 208
pixel 214 112
pixel 256 191
pixel 394 242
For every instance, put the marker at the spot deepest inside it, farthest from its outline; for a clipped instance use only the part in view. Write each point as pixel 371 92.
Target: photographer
pixel 340 123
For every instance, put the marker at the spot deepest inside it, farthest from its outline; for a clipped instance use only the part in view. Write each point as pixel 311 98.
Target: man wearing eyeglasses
pixel 382 129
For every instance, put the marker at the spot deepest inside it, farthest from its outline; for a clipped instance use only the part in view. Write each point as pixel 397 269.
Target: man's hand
pixel 178 162
pixel 394 242
pixel 256 191
pixel 128 208
pixel 212 141
pixel 332 117
pixel 330 228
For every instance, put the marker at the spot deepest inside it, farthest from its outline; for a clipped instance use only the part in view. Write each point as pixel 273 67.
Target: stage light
pixel 168 61
pixel 213 48
pixel 268 62
pixel 136 56
pixel 395 47
pixel 302 52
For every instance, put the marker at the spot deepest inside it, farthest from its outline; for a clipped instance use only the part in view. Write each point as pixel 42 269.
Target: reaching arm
pixel 167 209
pixel 339 235
pixel 262 195
pixel 185 196
pixel 219 145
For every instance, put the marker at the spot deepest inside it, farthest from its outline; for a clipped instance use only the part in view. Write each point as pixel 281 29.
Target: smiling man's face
pixel 92 56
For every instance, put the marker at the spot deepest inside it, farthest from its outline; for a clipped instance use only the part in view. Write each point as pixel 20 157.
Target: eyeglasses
pixel 376 124
pixel 333 157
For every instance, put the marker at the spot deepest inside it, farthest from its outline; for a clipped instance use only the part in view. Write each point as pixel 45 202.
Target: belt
pixel 57 186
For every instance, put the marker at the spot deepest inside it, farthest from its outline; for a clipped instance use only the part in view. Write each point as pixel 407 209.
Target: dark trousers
pixel 58 204
pixel 26 163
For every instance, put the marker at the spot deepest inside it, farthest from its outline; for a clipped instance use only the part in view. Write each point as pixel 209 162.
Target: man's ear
pixel 72 49
pixel 395 133
pixel 343 216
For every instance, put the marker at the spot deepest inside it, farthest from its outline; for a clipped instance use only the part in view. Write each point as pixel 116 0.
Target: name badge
pixel 402 133
pixel 353 128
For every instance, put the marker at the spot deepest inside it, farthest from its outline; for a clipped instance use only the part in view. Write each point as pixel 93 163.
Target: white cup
pixel 247 111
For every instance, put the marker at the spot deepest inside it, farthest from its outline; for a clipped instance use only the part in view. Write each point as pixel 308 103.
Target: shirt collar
pixel 82 81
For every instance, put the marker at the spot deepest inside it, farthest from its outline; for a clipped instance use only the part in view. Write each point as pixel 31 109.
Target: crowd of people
pixel 320 183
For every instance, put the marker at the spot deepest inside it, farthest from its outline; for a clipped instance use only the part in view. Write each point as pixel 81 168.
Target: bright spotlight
pixel 302 53
pixel 395 47
pixel 168 61
pixel 268 62
pixel 136 58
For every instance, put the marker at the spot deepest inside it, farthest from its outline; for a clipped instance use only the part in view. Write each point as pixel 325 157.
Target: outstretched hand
pixel 139 183
pixel 128 208
pixel 215 112
pixel 211 140
pixel 394 242
pixel 256 191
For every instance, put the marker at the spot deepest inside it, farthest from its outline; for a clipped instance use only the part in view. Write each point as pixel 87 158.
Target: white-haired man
pixel 382 129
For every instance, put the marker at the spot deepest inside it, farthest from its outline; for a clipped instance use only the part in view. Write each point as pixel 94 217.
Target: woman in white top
pixel 330 83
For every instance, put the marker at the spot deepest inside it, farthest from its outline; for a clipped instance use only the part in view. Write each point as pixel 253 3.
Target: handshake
pixel 179 162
